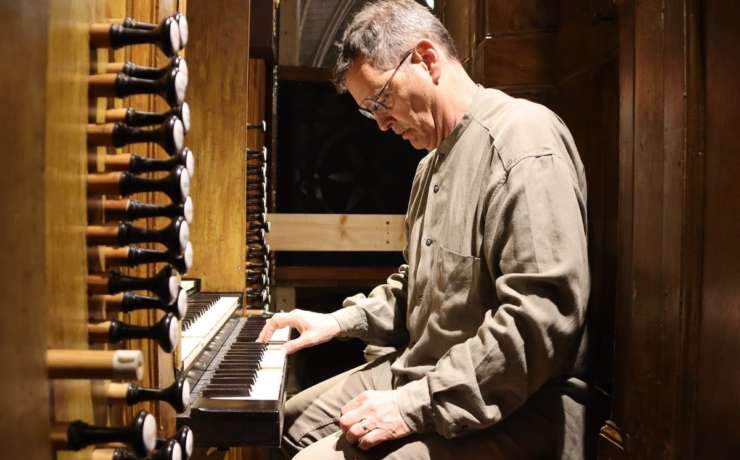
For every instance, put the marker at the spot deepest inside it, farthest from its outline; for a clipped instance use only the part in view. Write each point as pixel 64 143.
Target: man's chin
pixel 416 144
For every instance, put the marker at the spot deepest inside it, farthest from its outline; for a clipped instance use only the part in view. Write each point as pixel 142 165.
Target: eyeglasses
pixel 371 105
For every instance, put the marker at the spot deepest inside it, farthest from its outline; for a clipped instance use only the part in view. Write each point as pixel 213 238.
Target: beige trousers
pixel 541 429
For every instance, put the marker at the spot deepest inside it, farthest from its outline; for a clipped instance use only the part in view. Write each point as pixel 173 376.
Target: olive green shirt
pixel 491 304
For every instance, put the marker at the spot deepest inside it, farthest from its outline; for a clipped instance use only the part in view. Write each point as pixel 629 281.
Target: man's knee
pixel 328 448
pixel 306 420
pixel 292 435
pixel 291 410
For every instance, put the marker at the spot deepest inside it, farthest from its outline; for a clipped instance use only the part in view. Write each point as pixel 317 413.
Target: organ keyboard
pixel 206 314
pixel 237 383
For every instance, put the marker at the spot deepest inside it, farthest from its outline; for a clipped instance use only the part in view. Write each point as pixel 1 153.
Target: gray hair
pixel 385 29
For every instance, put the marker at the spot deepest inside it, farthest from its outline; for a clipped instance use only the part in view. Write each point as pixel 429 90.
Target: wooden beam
pixel 337 232
pixel 311 275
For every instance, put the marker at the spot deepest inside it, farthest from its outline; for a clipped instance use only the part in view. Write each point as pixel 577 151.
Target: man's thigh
pixel 490 444
pixel 314 413
pixel 530 433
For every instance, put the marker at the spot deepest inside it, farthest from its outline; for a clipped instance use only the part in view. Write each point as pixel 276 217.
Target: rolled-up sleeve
pixel 378 318
pixel 534 246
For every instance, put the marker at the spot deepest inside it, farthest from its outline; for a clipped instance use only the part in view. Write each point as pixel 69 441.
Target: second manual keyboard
pixel 238 397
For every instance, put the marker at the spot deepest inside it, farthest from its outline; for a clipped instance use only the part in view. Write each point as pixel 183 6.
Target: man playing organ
pixel 487 315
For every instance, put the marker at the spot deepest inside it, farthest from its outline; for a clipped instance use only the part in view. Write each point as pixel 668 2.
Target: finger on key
pixel 270 327
pixel 299 343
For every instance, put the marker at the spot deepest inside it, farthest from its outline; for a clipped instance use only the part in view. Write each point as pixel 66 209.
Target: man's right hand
pixel 314 328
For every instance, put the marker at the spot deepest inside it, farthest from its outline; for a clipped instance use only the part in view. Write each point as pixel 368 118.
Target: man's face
pixel 408 98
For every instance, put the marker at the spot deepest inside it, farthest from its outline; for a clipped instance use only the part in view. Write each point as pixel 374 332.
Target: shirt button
pixel 428 242
pixel 436 188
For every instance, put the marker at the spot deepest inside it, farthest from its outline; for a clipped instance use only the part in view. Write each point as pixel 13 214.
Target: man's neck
pixel 455 94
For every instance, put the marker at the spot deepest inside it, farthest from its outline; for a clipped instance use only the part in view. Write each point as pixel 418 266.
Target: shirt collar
pixel 448 142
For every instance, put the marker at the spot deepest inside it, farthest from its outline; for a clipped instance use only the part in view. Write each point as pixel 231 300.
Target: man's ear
pixel 428 54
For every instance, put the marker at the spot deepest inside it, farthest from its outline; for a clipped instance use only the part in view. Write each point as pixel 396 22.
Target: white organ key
pixel 281 335
pixel 274 357
pixel 268 383
pixel 202 330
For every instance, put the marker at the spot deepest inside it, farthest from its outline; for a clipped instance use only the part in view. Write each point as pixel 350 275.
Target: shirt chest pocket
pixel 454 292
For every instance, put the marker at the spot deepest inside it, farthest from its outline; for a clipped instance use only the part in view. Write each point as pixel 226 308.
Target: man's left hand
pixel 373 417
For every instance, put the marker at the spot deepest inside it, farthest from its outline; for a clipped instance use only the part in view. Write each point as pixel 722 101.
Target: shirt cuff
pixel 414 403
pixel 352 321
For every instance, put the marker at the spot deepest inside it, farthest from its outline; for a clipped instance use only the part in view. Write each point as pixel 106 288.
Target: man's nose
pixel 384 121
